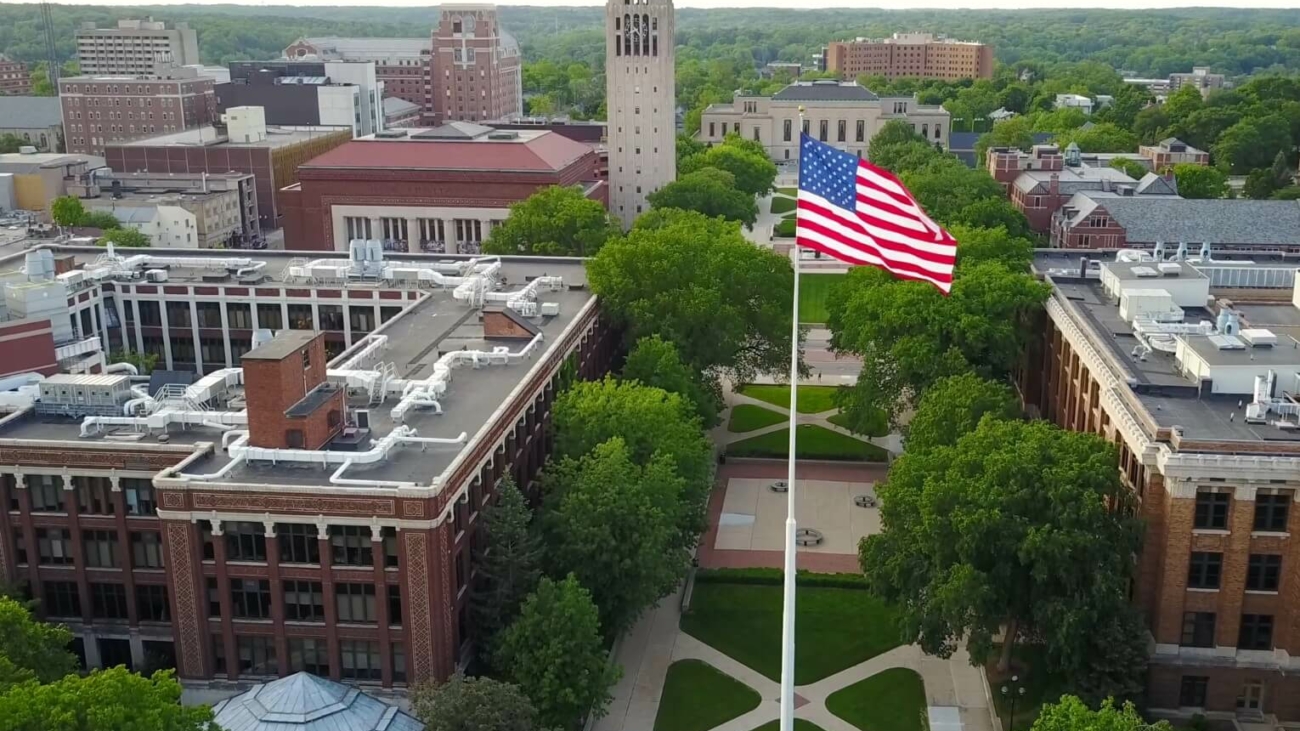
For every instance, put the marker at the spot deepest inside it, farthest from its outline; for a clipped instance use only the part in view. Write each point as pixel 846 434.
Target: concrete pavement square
pixel 824 505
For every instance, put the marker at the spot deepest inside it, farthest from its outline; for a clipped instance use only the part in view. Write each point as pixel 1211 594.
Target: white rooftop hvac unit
pixel 1171 269
pixel 1227 342
pixel 1259 337
pixel 1144 272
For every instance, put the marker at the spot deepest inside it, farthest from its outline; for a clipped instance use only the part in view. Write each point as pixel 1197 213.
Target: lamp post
pixel 1013 690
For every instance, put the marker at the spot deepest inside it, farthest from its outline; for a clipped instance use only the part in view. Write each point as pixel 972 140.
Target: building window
pixel 359 660
pixel 151 603
pixel 822 129
pixel 356 603
pixel 139 496
pixel 1211 510
pixel 47 496
pixel 331 317
pixel 108 601
pixel 861 134
pixel 149 314
pixel 1198 629
pixel 94 495
pixel 146 550
pixel 1263 572
pixel 245 542
pixel 394 605
pixel 61 599
pixel 300 317
pixel 841 130
pixel 1256 632
pixel 299 543
pixel 1193 690
pixel 362 319
pixel 256 655
pixel 712 132
pixel 1271 511
pixel 270 317
pixel 54 546
pixel 399 663
pixel 310 655
pixel 390 547
pixel 250 598
pixel 239 316
pixel 304 601
pixel 178 314
pixel 209 314
pixel 1204 570
pixel 787 126
pixel 20 546
pixel 214 598
pixel 351 545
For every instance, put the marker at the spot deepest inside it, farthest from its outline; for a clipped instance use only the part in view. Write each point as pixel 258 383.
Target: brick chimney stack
pixel 291 404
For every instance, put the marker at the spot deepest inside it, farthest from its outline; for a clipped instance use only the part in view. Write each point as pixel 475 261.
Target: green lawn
pixel 839 420
pixel 837 628
pixel 814 289
pixel 784 228
pixel 893 700
pixel 782 205
pixel 812 399
pixel 799 725
pixel 814 442
pixel 698 697
pixel 747 417
pixel 792 192
pixel 1040 687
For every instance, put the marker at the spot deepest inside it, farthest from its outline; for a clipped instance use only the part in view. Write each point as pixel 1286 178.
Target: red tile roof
pixel 547 152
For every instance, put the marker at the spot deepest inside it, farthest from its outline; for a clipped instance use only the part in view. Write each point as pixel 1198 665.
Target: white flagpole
pixel 787 608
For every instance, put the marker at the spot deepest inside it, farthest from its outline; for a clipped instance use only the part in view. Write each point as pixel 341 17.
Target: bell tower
pixel 640 100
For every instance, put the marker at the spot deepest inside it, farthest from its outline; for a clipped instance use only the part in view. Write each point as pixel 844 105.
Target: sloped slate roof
pixel 304 702
pixel 825 92
pixel 1165 218
pixel 30 112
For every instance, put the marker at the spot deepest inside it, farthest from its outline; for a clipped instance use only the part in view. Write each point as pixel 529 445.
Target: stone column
pixel 327 593
pixel 449 235
pixel 277 597
pixel 381 604
pixel 223 597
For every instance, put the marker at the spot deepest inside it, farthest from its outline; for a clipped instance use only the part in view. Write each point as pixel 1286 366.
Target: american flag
pixel 861 214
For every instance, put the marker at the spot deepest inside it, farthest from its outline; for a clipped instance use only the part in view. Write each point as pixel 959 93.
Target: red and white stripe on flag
pixel 861 214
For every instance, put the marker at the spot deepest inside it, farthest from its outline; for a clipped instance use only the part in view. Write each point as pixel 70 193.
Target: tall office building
pixel 476 67
pixel 640 93
pixel 134 47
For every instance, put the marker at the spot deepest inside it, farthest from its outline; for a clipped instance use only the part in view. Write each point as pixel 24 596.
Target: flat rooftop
pixel 210 137
pixel 426 329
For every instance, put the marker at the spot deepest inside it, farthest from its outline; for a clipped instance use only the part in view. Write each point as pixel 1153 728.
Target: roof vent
pixel 1171 269
pixel 1144 272
pixel 1227 342
pixel 503 135
pixel 1259 337
pixel 390 134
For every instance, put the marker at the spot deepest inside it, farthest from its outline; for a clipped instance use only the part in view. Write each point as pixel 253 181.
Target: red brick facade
pixel 15 79
pixel 475 74
pixel 98 111
pixel 27 346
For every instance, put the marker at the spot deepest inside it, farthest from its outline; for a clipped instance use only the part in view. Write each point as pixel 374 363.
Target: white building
pixel 842 114
pixel 165 224
pixel 640 93
pixel 1076 101
pixel 134 47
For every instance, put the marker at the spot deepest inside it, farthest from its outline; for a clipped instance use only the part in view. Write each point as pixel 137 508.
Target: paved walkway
pixel 892 443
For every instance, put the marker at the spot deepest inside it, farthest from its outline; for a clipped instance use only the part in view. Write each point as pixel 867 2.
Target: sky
pixel 792 4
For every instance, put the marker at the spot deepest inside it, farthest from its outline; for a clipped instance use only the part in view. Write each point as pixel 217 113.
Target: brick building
pixel 1188 365
pixel 910 55
pixel 1173 151
pixel 477 71
pixel 439 189
pixel 402 64
pixel 302 505
pixel 1039 183
pixel 15 78
pixel 1120 220
pixel 101 110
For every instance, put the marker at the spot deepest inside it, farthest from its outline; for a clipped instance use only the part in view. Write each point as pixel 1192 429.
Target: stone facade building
pixel 134 47
pixel 640 92
pixel 842 114
pixel 910 55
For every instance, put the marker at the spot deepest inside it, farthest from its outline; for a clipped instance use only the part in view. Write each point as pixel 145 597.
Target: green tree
pixel 909 335
pixel 648 420
pixel 31 650
pixel 688 147
pixel 895 132
pixel 104 700
pixel 1200 181
pixel 699 284
pixel 655 362
pixel 754 173
pixel 614 525
pixel 553 652
pixel 710 191
pixel 1072 714
pixel 1016 132
pixel 946 186
pixel 67 211
pixel 1131 168
pixel 554 221
pixel 902 157
pixel 509 566
pixel 102 220
pixel 976 244
pixel 473 704
pixel 954 406
pixel 143 362
pixel 10 143
pixel 1182 103
pixel 1252 143
pixel 990 213
pixel 1059 121
pixel 126 237
pixel 1103 137
pixel 1151 124
pixel 991 532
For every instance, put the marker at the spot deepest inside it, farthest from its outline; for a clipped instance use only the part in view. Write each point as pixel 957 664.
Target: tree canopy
pixel 473 704
pixel 698 283
pixel 553 652
pixel 554 221
pixel 509 565
pixel 993 529
pixel 31 650
pixel 67 210
pixel 125 237
pixel 1199 181
pixel 753 172
pixel 1072 714
pixel 954 406
pixel 655 362
pixel 105 700
pixel 710 191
